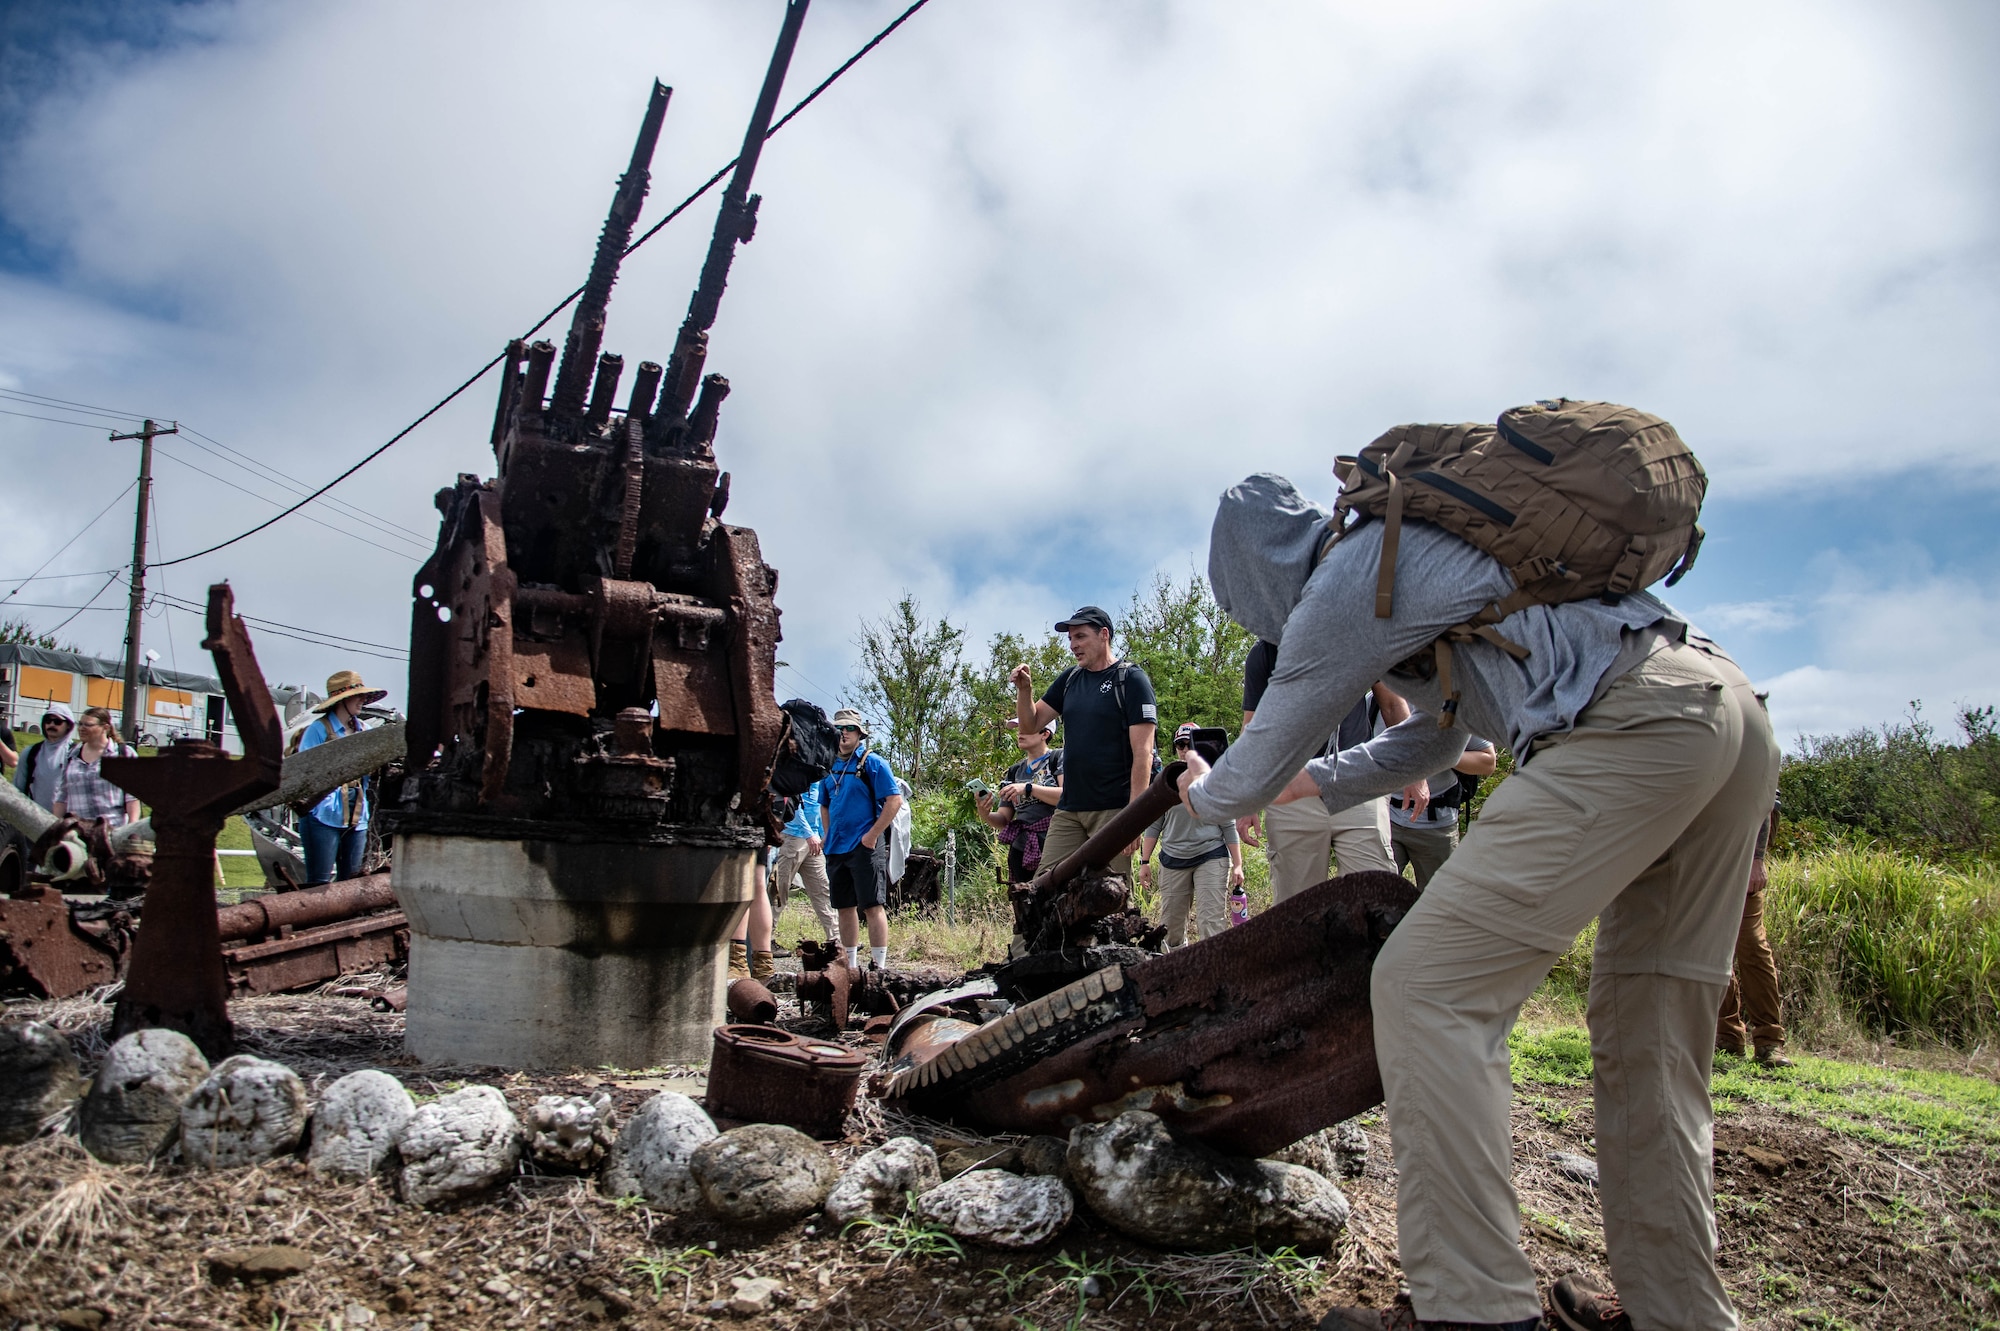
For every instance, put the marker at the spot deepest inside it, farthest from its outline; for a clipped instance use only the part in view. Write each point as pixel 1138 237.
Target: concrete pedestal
pixel 533 954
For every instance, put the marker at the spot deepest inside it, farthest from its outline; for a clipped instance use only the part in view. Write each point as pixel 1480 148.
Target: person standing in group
pixel 1025 802
pixel 1751 1013
pixel 750 951
pixel 802 854
pixel 81 790
pixel 1426 839
pixel 1200 863
pixel 40 768
pixel 1109 717
pixel 1301 834
pixel 861 799
pixel 335 830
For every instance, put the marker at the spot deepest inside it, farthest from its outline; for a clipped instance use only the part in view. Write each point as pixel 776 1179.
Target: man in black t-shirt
pixel 1109 715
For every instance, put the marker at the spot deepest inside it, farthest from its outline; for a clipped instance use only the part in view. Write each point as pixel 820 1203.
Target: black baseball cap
pixel 1086 616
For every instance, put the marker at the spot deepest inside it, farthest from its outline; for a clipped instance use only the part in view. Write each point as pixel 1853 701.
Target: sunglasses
pixel 1183 743
pixel 848 730
pixel 54 723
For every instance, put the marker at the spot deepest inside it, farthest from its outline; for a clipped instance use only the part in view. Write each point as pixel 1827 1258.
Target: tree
pixel 912 682
pixel 21 631
pixel 1191 650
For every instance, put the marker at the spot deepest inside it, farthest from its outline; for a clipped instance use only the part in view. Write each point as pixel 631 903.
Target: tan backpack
pixel 1575 499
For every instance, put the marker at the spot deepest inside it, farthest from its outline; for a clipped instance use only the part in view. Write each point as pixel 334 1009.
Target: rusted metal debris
pixel 288 940
pixel 51 951
pixel 176 977
pixel 592 648
pixel 750 1003
pixel 1249 1040
pixel 759 1074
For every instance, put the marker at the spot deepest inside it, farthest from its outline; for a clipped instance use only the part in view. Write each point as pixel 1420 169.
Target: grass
pixel 1905 1108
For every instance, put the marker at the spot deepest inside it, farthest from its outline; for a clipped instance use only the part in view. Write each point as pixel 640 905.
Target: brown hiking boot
pixel 739 959
pixel 761 967
pixel 1772 1056
pixel 1581 1304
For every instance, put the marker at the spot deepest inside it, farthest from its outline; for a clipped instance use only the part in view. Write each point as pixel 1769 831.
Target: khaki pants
pixel 1297 837
pixel 1204 887
pixel 1070 828
pixel 1752 996
pixel 797 858
pixel 1643 817
pixel 1425 848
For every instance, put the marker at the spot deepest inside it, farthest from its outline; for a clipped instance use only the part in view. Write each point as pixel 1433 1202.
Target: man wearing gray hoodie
pixel 1644 761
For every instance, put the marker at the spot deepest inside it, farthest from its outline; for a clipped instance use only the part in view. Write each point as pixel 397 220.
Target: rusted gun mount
pixel 176 977
pixel 592 583
pixel 1077 903
pixel 288 940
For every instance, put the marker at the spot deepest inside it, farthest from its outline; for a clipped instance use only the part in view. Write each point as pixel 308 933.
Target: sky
pixel 1031 285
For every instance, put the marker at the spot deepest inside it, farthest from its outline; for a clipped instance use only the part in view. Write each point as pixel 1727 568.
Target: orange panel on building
pixel 170 704
pixel 104 692
pixel 47 685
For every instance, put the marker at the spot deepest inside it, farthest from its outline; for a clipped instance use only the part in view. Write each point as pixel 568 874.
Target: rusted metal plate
pixel 1249 1040
pixel 759 1074
pixel 693 691
pixel 307 957
pixel 176 978
pixel 553 676
pixel 44 953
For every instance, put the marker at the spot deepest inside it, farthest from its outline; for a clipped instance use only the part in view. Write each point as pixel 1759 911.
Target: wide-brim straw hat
pixel 344 684
pixel 847 716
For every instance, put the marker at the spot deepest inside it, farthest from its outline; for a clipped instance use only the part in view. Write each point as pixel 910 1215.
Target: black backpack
pixel 806 751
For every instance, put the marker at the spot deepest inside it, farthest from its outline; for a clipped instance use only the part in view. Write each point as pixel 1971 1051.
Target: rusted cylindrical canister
pixel 751 1003
pixel 760 1074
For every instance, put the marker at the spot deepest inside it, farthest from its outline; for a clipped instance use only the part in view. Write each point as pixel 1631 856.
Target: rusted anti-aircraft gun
pixel 592 722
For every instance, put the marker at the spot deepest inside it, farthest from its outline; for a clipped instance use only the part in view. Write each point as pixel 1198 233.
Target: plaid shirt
pixel 84 791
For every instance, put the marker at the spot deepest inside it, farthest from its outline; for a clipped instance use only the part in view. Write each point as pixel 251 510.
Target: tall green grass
pixel 1866 939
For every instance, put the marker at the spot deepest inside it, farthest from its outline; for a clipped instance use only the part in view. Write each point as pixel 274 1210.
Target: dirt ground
pixel 1820 1227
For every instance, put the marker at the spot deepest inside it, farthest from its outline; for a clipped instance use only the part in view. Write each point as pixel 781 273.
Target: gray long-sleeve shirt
pixel 1331 648
pixel 1183 838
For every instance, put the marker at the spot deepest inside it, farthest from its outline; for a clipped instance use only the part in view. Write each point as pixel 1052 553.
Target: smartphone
pixel 1209 742
pixel 977 787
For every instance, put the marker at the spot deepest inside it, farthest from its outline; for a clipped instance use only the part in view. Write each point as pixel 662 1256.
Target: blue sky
pixel 1030 287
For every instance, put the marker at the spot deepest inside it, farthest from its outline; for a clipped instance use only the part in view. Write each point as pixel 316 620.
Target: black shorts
pixel 859 878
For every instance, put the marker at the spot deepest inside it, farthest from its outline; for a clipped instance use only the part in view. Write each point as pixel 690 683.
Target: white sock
pixel 879 955
pixel 854 958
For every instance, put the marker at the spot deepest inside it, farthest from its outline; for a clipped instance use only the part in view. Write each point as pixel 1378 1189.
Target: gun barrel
pixel 736 219
pixel 586 327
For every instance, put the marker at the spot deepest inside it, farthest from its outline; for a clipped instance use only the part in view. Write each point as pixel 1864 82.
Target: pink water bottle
pixel 1239 907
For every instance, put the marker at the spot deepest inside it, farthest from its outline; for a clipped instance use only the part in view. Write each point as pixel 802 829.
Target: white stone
pixel 1140 1179
pixel 354 1129
pixel 39 1079
pixel 1338 1151
pixel 880 1182
pixel 762 1174
pixel 571 1131
pixel 753 1295
pixel 999 1209
pixel 458 1146
pixel 133 1110
pixel 651 1158
pixel 248 1110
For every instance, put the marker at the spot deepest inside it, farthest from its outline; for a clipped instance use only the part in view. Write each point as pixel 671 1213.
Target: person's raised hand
pixel 1197 767
pixel 1020 676
pixel 983 801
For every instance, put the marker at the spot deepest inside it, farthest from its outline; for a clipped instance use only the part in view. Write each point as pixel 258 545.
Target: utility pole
pixel 130 728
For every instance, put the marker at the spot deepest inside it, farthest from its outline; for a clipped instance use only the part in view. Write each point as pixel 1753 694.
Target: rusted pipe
pixel 303 909
pixel 1106 842
pixel 751 1004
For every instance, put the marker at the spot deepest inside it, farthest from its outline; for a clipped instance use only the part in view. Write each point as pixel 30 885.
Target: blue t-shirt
pixel 852 795
pixel 805 820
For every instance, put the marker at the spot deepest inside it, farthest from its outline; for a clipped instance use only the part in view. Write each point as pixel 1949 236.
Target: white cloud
pixel 1750 616
pixel 1031 285
pixel 1886 639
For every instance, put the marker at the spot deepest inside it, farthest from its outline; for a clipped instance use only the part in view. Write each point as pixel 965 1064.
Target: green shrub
pixel 1889 943
pixel 1901 785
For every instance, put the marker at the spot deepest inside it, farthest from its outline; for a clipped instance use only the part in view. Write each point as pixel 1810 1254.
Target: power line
pixel 88 425
pixel 400 554
pixel 91 604
pixel 267 628
pixel 35 576
pixel 300 487
pixel 182 602
pixel 563 304
pixel 96 409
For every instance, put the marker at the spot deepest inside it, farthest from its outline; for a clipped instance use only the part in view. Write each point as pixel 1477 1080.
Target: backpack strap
pixel 1392 530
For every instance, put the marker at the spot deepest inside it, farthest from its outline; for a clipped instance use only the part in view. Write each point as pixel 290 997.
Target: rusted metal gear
pixel 1249 1040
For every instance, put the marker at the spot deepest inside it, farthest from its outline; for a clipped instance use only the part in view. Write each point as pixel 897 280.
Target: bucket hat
pixel 847 716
